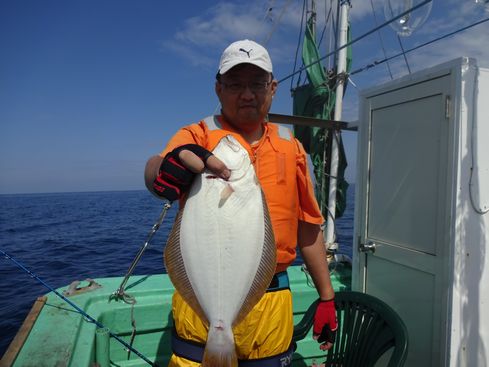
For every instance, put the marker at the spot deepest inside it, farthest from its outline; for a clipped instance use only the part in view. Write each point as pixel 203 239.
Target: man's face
pixel 245 93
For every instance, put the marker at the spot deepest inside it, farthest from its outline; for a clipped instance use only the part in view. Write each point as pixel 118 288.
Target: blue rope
pixel 87 316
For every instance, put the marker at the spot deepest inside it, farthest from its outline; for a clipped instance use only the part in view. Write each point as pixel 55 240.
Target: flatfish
pixel 221 252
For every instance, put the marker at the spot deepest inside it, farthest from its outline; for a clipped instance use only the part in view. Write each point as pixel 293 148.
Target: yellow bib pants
pixel 266 331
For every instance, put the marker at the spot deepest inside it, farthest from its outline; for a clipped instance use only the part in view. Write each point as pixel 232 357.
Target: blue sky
pixel 90 89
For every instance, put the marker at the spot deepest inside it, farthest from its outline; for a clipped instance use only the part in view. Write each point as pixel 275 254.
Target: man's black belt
pixel 279 281
pixel 194 352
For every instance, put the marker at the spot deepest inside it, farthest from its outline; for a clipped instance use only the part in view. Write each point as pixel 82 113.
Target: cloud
pixel 201 37
pixel 193 56
pixel 469 43
pixel 452 17
pixel 222 23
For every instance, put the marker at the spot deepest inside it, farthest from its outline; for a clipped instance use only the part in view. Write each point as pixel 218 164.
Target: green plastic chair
pixel 367 328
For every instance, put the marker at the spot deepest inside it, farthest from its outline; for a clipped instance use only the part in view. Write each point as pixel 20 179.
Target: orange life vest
pixel 281 167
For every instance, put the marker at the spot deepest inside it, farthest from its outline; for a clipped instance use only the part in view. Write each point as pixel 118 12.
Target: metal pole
pixel 313 16
pixel 333 172
pixel 119 293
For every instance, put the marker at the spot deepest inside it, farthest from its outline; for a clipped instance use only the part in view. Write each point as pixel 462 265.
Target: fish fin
pixel 266 267
pixel 175 268
pixel 225 194
pixel 220 350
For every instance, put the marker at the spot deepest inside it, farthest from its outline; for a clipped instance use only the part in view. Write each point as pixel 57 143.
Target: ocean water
pixel 74 236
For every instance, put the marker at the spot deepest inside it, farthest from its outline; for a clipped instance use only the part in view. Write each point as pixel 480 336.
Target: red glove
pixel 325 323
pixel 174 178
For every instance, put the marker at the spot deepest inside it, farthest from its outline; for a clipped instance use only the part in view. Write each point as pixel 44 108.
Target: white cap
pixel 245 51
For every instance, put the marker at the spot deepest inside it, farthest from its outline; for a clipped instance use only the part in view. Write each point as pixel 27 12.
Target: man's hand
pixel 179 167
pixel 325 324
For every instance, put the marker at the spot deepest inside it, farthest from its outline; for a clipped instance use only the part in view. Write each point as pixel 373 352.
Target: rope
pixel 133 325
pixel 78 309
pixel 309 282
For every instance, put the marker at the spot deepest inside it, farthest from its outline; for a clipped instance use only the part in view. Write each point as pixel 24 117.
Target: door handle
pixel 367 247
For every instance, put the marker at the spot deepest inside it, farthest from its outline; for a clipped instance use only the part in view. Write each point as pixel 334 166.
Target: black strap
pixel 279 281
pixel 194 352
pixel 187 349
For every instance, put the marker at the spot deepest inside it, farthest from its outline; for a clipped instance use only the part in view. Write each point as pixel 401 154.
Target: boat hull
pixel 59 336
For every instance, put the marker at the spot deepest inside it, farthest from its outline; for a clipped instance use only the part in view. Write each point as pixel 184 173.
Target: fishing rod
pixel 78 309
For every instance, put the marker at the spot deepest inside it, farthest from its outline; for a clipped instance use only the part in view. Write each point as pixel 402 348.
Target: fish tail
pixel 220 350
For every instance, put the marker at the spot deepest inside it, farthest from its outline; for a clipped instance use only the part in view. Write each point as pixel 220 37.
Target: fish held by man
pixel 221 253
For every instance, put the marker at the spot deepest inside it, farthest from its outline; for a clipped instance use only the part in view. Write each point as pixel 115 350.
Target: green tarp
pixel 317 99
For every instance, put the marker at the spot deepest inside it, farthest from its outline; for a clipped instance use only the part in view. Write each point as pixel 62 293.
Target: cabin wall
pixel 470 293
pixel 423 159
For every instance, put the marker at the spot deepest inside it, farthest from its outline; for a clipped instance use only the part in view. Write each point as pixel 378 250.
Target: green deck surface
pixel 62 337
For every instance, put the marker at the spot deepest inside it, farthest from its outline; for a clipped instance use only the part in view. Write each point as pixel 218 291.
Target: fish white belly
pixel 221 252
pixel 224 244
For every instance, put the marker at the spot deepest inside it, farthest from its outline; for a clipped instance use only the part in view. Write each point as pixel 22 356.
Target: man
pixel 245 87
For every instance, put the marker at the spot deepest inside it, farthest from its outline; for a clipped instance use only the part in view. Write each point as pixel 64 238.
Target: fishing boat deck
pixel 55 334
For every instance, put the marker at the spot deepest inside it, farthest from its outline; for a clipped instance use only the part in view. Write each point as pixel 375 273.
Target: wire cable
pixel 356 39
pixel 375 63
pixel 380 38
pixel 277 22
pixel 477 208
pixel 327 15
pixel 331 33
pixel 268 10
pixel 404 54
pixel 298 46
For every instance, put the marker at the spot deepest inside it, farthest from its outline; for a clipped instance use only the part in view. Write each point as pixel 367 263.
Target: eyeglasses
pixel 255 87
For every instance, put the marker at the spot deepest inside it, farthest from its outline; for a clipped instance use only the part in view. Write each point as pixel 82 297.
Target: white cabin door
pixel 401 222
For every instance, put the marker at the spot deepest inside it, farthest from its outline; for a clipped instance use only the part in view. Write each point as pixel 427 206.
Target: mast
pixel 333 171
pixel 313 17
